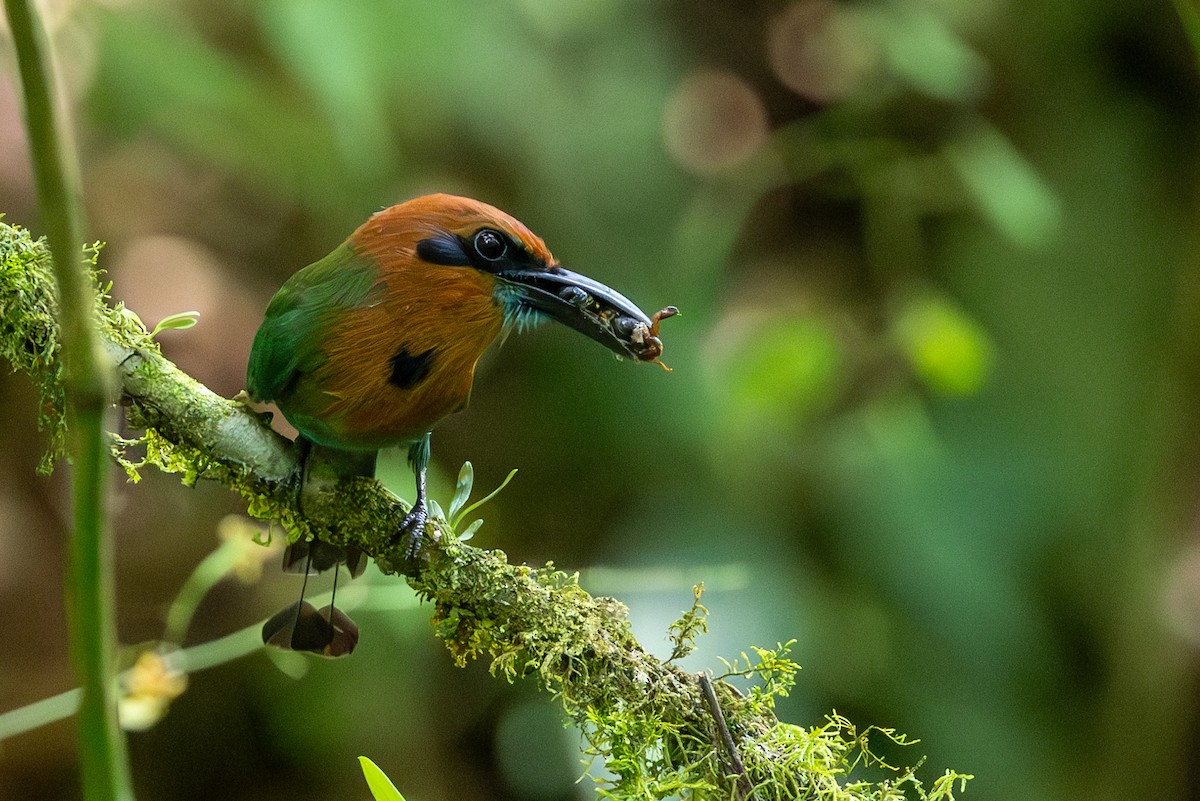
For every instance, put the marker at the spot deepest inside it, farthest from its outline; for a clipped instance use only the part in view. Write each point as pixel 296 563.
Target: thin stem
pixel 90 592
pixel 736 768
pixel 211 569
pixel 40 713
pixel 189 660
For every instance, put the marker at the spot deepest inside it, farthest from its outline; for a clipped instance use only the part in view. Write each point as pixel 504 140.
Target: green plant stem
pixel 189 660
pixel 90 590
pixel 211 569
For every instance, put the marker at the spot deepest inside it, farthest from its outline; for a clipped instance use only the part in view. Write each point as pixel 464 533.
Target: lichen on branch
pixel 648 719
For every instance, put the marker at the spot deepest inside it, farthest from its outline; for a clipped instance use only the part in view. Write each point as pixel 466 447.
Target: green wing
pixel 288 343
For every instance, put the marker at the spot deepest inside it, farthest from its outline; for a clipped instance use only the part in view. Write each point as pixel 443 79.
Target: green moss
pixel 29 328
pixel 191 464
pixel 691 624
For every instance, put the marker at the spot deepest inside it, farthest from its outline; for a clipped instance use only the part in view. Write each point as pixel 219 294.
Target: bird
pixel 373 345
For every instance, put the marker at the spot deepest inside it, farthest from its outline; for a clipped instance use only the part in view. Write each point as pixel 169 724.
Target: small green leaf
pixel 454 523
pixel 381 786
pixel 435 510
pixel 796 370
pixel 176 322
pixel 471 529
pixel 466 480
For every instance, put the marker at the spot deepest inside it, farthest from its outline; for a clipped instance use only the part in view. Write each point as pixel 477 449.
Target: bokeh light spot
pixel 950 352
pixel 714 121
pixel 820 50
pixel 784 368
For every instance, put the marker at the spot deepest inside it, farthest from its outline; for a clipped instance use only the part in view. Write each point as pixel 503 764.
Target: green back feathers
pixel 288 343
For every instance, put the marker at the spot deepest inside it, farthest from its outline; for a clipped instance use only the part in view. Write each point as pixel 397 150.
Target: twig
pixel 736 768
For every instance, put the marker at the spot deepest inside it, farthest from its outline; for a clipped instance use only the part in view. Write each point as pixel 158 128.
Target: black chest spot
pixel 408 369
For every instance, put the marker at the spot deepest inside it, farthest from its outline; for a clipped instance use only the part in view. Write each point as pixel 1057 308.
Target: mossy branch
pixel 651 721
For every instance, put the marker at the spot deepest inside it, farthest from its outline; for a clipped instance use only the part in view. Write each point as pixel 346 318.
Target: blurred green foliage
pixel 932 408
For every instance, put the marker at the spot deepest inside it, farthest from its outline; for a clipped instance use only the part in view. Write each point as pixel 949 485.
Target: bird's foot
pixel 412 530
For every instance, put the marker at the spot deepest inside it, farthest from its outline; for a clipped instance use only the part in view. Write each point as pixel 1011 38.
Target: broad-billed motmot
pixel 371 346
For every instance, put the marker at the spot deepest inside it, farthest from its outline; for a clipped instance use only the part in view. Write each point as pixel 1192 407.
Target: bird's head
pixel 527 281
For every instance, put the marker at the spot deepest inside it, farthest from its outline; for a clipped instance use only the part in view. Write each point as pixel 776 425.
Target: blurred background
pixel 933 408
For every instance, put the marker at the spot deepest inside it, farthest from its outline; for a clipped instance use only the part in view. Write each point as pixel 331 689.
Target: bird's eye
pixel 490 245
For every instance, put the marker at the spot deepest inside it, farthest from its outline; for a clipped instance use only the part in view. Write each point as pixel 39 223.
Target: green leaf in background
pixel 946 348
pixel 924 51
pixel 381 786
pixel 335 53
pixel 158 76
pixel 792 370
pixel 1013 197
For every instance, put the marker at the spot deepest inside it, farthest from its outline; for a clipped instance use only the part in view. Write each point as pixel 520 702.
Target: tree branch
pixel 651 720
